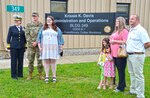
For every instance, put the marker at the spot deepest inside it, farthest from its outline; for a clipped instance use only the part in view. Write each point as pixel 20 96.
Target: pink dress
pixel 109 70
pixel 120 37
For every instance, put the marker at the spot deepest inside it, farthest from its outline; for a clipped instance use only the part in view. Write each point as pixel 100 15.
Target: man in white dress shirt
pixel 138 40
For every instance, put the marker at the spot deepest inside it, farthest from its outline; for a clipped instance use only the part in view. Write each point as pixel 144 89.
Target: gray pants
pixel 135 67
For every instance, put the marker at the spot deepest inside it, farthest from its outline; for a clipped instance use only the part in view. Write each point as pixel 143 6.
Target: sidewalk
pixel 5 63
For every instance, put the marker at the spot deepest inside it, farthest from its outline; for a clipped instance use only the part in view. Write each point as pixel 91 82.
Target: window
pixel 123 9
pixel 58 5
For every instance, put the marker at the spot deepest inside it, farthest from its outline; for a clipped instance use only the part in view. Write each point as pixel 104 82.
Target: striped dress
pixel 49 45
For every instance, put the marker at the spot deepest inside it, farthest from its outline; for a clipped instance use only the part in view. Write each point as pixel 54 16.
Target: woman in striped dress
pixel 50 43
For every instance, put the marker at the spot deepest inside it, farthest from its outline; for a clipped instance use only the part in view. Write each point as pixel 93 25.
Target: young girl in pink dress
pixel 109 70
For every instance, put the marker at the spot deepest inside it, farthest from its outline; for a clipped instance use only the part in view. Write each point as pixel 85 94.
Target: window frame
pixel 123 14
pixel 58 1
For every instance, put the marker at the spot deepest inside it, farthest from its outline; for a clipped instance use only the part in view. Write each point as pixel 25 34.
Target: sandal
pixel 99 87
pixel 46 79
pixel 104 87
pixel 54 79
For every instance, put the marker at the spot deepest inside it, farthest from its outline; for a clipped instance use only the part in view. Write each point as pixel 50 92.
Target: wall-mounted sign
pixel 14 8
pixel 85 23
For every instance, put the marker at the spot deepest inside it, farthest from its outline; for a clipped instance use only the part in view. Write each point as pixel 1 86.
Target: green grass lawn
pixel 73 81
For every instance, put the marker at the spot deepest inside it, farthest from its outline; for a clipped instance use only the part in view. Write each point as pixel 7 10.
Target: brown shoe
pixel 41 77
pixel 29 76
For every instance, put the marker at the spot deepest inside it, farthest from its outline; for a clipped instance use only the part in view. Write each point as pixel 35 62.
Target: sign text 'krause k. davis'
pixel 85 23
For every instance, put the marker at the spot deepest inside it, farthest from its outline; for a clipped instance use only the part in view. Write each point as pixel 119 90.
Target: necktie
pixel 18 28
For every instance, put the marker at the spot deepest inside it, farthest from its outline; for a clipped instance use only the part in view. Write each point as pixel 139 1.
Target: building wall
pixel 140 7
pixel 42 6
pixel 1 34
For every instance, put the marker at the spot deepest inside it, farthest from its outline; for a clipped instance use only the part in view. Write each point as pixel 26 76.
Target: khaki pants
pixel 135 67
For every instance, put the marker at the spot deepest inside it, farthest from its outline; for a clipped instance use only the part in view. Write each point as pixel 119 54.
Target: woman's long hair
pixel 121 26
pixel 54 27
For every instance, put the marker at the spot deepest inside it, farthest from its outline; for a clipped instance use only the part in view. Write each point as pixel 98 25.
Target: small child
pixel 101 61
pixel 109 70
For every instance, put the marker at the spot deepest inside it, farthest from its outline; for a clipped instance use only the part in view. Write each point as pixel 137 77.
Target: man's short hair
pixel 137 17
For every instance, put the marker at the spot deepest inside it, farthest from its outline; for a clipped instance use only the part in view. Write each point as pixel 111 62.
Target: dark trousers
pixel 114 81
pixel 17 56
pixel 120 63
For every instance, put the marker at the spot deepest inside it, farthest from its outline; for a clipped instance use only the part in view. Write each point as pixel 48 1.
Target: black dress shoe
pixel 20 76
pixel 15 78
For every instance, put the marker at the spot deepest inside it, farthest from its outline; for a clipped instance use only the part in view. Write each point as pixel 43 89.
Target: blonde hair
pixel 121 26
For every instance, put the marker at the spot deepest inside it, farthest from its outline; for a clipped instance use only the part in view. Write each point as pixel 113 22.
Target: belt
pixel 130 53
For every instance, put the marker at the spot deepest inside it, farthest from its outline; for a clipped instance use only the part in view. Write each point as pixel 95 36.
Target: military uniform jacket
pixel 32 32
pixel 16 39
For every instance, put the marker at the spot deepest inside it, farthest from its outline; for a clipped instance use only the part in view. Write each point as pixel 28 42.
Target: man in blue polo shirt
pixel 138 40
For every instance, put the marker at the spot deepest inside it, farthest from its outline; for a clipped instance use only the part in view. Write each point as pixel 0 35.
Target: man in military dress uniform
pixel 16 43
pixel 32 30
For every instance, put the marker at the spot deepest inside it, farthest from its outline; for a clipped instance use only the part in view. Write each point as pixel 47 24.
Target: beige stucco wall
pixel 1 34
pixel 42 6
pixel 140 7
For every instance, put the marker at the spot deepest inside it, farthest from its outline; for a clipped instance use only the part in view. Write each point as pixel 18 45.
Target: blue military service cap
pixel 17 17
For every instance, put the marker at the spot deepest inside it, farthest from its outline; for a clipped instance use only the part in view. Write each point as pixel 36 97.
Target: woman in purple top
pixel 116 39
